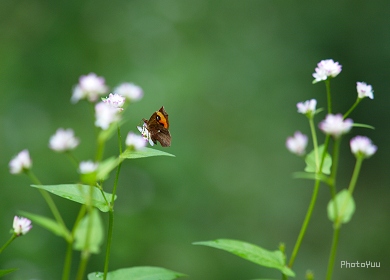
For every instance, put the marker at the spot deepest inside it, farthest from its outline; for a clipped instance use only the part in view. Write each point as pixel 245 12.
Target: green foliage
pixel 7 271
pixel 138 273
pixel 79 193
pixel 363 125
pixel 49 224
pixel 96 233
pixel 311 165
pixel 145 152
pixel 345 207
pixel 253 253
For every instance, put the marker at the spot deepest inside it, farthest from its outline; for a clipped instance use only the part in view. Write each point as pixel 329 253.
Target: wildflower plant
pixel 91 192
pixel 321 167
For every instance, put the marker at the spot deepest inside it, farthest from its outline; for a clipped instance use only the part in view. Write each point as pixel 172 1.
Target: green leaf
pixel 96 233
pixel 79 193
pixel 345 207
pixel 311 161
pixel 144 152
pixel 106 166
pixel 311 176
pixel 49 224
pixel 138 273
pixel 363 125
pixel 7 271
pixel 253 253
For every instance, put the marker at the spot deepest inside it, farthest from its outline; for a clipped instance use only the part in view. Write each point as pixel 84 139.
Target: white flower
pixel 307 107
pixel 130 91
pixel 78 94
pixel 335 125
pixel 105 115
pixel 87 167
pixel 145 133
pixel 115 100
pixel 362 146
pixel 297 143
pixel 90 86
pixel 20 163
pixel 135 141
pixel 63 140
pixel 21 225
pixel 364 90
pixel 326 68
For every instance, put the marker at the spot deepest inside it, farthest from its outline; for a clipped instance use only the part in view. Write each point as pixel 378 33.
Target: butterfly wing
pixel 158 125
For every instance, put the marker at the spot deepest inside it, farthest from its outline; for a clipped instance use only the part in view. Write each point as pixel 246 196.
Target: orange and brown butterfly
pixel 156 128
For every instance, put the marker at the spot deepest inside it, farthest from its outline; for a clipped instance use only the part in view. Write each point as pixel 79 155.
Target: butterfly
pixel 156 128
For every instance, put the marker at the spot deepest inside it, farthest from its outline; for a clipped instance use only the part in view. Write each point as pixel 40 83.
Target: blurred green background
pixel 229 73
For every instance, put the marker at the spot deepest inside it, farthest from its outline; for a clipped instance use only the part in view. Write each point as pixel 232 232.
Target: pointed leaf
pixel 6 271
pixel 363 125
pixel 253 253
pixel 79 193
pixel 138 273
pixel 49 224
pixel 311 161
pixel 345 207
pixel 96 233
pixel 144 152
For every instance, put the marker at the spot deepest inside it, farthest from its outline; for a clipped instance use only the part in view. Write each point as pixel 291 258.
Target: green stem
pixel 337 221
pixel 68 261
pixel 8 242
pixel 355 174
pixel 332 257
pixel 309 210
pixel 73 159
pixel 315 144
pixel 69 249
pixel 335 160
pixel 332 185
pixel 86 252
pixel 352 108
pixel 327 84
pixel 100 150
pixel 305 223
pixel 83 265
pixel 49 202
pixel 109 242
pixel 111 211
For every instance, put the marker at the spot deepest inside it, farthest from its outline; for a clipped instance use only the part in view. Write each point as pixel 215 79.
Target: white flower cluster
pixel 334 125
